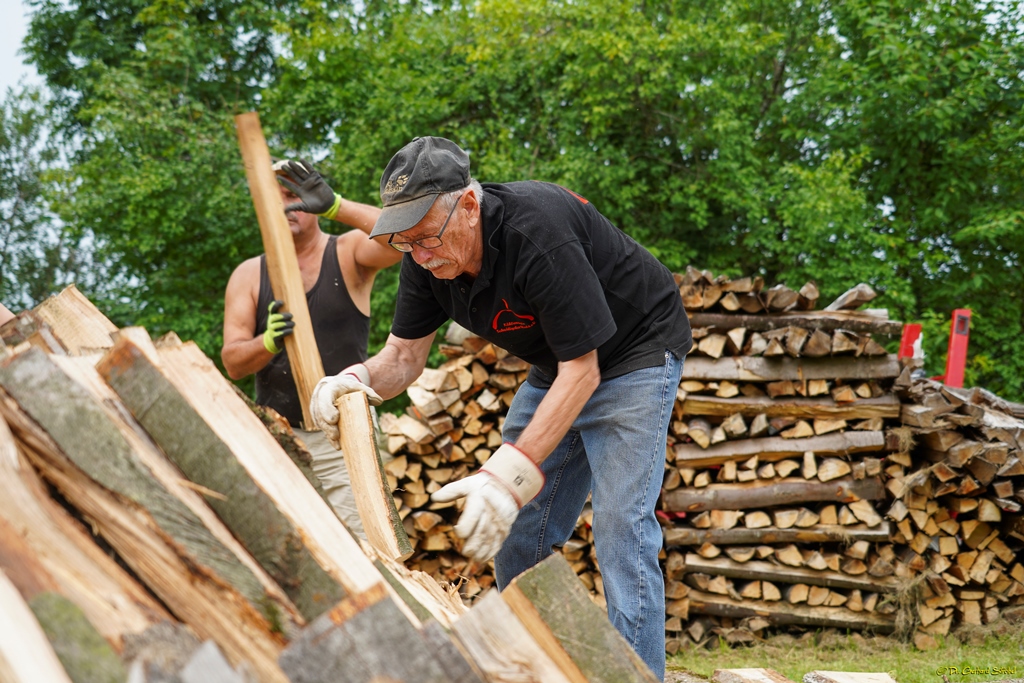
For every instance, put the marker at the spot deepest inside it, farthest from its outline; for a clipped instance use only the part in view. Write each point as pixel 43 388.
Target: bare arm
pixel 369 255
pixel 243 352
pixel 576 381
pixel 398 364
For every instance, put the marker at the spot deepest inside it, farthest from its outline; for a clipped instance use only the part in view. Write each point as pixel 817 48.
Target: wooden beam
pixel 817 320
pixel 681 536
pixel 783 613
pixel 557 610
pixel 374 501
pixel 775 448
pixel 758 494
pixel 804 408
pixel 282 263
pixel 499 642
pixel 755 570
pixel 759 369
pixel 184 434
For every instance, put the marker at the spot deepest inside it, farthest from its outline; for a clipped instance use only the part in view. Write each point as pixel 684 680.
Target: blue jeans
pixel 616 451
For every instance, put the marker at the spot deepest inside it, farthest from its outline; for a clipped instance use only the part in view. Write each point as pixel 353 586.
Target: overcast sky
pixel 13 25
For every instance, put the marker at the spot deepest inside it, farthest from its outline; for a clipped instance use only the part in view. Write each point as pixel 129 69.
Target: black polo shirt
pixel 558 280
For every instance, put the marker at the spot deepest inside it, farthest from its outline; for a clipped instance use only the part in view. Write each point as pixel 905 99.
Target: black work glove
pixel 309 186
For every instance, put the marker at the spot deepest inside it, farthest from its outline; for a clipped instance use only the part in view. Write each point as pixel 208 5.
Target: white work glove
pixel 321 405
pixel 494 495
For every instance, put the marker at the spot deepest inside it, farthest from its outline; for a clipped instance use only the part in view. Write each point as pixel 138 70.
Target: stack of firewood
pixel 956 481
pixel 152 528
pixel 778 500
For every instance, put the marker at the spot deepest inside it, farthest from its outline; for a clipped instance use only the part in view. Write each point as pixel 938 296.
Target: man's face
pixel 456 253
pixel 298 221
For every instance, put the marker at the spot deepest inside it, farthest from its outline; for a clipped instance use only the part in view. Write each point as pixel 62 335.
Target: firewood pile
pixel 152 528
pixel 793 496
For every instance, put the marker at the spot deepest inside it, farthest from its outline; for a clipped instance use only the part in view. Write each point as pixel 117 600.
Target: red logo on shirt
pixel 582 199
pixel 508 320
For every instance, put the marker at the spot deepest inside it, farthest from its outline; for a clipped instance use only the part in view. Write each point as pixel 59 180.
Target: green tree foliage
pixel 36 256
pixel 873 141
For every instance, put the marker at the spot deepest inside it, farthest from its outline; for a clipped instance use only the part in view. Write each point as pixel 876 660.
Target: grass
pixel 974 655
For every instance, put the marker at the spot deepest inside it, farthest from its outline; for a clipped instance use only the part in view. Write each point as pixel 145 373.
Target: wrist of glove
pixel 309 186
pixel 321 405
pixel 279 326
pixel 507 481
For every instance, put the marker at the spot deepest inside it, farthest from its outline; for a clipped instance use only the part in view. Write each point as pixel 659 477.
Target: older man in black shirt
pixel 538 271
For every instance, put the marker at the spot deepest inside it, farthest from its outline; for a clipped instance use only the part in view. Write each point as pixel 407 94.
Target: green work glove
pixel 303 180
pixel 279 326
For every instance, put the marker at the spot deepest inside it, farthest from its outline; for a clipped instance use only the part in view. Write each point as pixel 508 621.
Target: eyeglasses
pixel 431 242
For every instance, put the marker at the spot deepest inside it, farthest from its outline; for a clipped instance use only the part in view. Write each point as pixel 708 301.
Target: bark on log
pixel 782 614
pixel 766 571
pixel 820 534
pixel 819 320
pixel 556 609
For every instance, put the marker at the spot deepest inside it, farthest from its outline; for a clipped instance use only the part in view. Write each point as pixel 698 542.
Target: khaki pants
pixel 329 467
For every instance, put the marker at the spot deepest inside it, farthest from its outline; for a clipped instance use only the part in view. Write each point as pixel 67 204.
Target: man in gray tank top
pixel 337 275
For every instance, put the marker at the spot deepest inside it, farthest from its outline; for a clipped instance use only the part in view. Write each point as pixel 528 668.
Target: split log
pixel 753 369
pixel 190 442
pixel 26 655
pixel 130 498
pixel 776 448
pixel 748 676
pixel 362 636
pixel 500 644
pixel 114 603
pixel 766 571
pixel 887 406
pixel 852 298
pixel 576 634
pixel 717 605
pixel 76 322
pixel 856 321
pixel 763 494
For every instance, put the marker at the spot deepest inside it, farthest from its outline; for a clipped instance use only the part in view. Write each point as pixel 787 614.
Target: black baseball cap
pixel 421 171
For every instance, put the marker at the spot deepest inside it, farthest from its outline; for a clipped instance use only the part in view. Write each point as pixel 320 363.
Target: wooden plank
pixel 191 443
pixel 760 494
pixel 205 581
pixel 76 322
pixel 368 638
pixel 26 655
pixel 374 501
pixel 282 263
pixel 333 547
pixel 755 570
pixel 681 536
pixel 784 613
pixel 816 320
pixel 804 408
pixel 775 448
pixel 500 644
pixel 557 610
pixel 32 524
pixel 759 369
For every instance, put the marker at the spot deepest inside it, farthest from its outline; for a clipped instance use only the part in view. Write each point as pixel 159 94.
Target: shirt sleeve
pixel 566 293
pixel 417 311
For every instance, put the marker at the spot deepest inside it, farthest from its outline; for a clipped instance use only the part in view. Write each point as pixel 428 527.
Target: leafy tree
pixel 36 256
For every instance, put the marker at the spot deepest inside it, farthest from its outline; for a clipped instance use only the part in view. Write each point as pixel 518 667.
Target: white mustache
pixel 435 263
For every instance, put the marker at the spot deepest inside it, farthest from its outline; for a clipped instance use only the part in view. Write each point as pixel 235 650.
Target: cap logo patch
pixel 395 185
